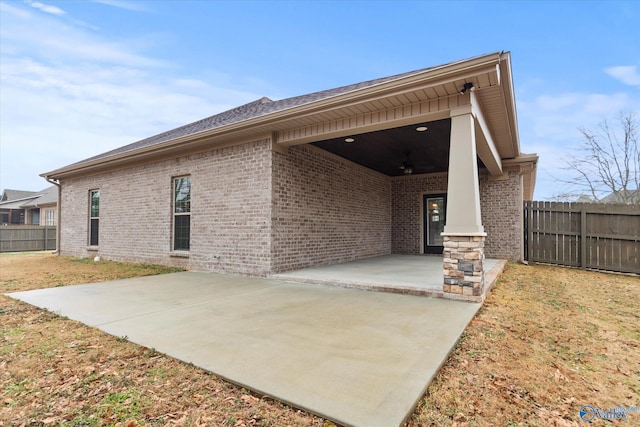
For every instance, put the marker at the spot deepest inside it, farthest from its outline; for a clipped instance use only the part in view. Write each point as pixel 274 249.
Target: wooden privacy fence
pixel 586 235
pixel 20 238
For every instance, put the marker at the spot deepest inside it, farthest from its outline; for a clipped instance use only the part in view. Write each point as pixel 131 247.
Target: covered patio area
pixel 404 274
pixel 423 162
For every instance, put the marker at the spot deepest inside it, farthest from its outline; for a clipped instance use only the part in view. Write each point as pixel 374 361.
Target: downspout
pixel 59 212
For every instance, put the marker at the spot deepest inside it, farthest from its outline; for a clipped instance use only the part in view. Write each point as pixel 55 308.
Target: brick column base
pixel 463 260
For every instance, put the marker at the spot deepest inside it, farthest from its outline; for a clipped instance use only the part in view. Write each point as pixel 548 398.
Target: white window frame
pixel 50 217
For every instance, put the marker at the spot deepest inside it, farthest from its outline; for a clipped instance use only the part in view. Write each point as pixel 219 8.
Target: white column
pixel 463 191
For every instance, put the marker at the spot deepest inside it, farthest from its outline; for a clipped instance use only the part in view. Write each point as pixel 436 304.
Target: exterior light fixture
pixel 349 140
pixel 421 128
pixel 467 87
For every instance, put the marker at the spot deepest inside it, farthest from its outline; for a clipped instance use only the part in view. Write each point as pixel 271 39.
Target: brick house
pixel 427 161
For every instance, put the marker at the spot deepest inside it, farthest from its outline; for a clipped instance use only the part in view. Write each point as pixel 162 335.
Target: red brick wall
pixel 327 210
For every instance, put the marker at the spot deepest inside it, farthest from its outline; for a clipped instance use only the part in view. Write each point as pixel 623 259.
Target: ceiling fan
pixel 407 166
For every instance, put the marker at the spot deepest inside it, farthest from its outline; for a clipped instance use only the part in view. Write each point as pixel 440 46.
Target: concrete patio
pixel 358 358
pixel 404 274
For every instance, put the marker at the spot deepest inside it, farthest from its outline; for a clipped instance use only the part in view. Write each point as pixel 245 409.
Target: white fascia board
pixel 487 150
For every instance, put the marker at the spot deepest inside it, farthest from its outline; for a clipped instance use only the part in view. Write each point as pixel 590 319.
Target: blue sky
pixel 78 78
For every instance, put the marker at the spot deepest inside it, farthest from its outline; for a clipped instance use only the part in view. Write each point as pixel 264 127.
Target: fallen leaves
pixel 249 400
pixel 558 376
pixel 546 341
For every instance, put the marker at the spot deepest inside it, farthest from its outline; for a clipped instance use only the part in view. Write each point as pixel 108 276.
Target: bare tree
pixel 608 169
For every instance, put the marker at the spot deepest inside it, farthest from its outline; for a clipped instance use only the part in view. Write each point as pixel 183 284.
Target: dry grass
pixel 58 372
pixel 547 341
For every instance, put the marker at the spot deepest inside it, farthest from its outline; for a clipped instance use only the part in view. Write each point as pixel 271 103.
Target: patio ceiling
pixel 385 151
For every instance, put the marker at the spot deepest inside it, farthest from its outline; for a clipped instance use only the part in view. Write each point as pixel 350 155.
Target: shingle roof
pixel 48 195
pixel 622 196
pixel 251 110
pixel 12 204
pixel 17 194
pixel 18 199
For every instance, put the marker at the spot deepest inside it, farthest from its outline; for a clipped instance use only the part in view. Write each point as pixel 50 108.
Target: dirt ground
pixel 547 341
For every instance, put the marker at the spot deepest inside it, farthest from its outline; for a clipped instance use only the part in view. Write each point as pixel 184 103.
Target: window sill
pixel 179 254
pixel 92 248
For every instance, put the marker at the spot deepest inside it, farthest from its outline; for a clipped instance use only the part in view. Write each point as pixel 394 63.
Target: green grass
pixel 122 406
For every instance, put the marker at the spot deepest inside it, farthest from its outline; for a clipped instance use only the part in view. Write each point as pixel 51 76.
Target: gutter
pixel 528 166
pixel 522 158
pixel 59 211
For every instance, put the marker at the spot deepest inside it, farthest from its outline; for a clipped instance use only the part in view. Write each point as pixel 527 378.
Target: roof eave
pixel 528 164
pixel 22 199
pixel 436 75
pixel 508 91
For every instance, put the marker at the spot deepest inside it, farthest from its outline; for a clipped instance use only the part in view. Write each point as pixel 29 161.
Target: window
pixel 94 214
pixel 50 217
pixel 35 216
pixel 17 216
pixel 181 213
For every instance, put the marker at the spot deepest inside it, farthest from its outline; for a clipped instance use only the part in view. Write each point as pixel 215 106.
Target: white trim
pixel 486 147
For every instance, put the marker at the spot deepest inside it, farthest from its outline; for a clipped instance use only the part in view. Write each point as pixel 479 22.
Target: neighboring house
pixel 627 197
pixel 624 197
pixel 584 199
pixel 29 207
pixel 421 162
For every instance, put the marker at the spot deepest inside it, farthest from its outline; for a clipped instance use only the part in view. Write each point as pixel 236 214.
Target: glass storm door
pixel 434 219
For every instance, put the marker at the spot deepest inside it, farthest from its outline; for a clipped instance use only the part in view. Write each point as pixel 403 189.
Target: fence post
pixel 583 236
pixel 529 231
